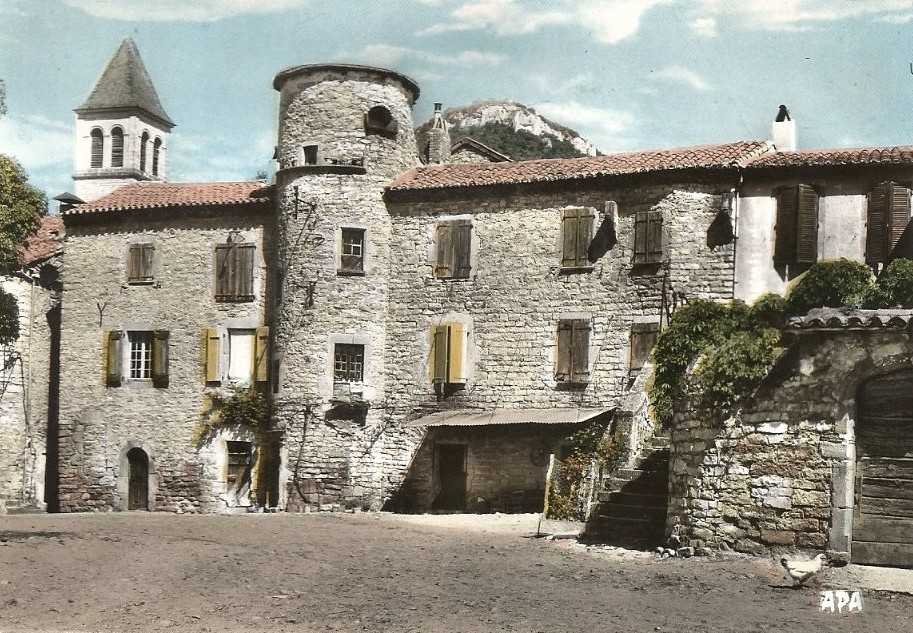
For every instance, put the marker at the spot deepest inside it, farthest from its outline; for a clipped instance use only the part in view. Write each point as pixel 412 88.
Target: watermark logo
pixel 840 601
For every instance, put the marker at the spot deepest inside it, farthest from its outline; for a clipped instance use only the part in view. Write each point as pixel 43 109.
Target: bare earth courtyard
pixel 381 572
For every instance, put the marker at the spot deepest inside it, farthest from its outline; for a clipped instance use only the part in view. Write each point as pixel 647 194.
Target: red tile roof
pixel 832 157
pixel 726 155
pixel 157 195
pixel 42 244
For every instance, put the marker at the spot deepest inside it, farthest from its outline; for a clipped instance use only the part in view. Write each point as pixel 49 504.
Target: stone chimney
pixel 438 150
pixel 784 131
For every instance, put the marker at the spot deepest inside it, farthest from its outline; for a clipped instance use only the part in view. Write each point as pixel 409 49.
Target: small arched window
pixel 378 120
pixel 143 141
pixel 117 147
pixel 98 148
pixel 156 153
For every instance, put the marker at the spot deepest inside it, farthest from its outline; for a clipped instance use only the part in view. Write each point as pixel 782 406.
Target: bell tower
pixel 121 129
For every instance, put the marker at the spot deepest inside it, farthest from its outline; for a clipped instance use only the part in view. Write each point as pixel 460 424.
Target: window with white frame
pixel 235 355
pixel 140 355
pixel 348 362
pixel 240 355
pixel 352 251
pixel 136 356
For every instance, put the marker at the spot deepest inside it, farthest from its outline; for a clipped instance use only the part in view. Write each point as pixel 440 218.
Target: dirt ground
pixel 381 572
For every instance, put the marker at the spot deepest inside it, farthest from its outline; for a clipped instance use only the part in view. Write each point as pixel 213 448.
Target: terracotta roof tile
pixel 843 319
pixel 832 157
pixel 722 156
pixel 42 244
pixel 157 195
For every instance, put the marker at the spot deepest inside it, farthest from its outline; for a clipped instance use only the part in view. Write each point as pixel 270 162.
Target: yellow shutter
pixel 212 369
pixel 438 364
pixel 261 354
pixel 455 356
pixel 111 352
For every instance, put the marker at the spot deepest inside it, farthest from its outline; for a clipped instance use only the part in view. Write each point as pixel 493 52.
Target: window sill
pixel 346 272
pixel 244 299
pixel 140 282
pixel 571 385
pixel 573 270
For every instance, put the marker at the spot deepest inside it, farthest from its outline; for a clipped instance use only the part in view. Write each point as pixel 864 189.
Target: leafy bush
pixel 895 285
pixel 736 345
pixel 9 318
pixel 830 284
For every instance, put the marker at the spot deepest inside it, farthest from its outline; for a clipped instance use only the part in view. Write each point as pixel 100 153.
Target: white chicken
pixel 801 571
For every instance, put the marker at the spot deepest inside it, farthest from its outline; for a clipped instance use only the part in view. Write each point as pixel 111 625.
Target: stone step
pixel 632 512
pixel 650 499
pixel 659 442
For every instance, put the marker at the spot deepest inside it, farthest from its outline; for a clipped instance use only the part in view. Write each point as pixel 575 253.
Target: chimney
pixel 438 150
pixel 784 131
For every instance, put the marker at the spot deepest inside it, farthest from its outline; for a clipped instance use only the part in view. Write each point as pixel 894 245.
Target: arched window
pixel 98 148
pixel 143 141
pixel 117 147
pixel 378 120
pixel 156 151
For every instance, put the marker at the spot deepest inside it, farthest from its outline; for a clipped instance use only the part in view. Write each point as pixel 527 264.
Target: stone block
pixel 810 498
pixel 778 537
pixel 772 428
pixel 841 531
pixel 832 450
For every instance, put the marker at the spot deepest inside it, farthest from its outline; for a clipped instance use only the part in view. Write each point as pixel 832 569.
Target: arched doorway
pixel 138 486
pixel 883 512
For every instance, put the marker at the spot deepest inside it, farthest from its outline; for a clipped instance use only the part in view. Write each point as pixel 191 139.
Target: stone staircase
pixel 631 507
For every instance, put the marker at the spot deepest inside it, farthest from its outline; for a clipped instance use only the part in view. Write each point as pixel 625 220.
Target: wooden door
pixel 138 488
pixel 883 516
pixel 451 472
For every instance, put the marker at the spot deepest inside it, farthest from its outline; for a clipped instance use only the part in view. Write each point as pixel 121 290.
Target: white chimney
pixel 784 131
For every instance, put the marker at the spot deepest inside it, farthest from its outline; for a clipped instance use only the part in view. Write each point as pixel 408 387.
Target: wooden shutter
pixel 444 261
pixel 212 369
pixel 223 271
pixel 462 248
pixel 877 225
pixel 643 336
pixel 139 262
pixel 98 148
pixel 806 225
pixel 160 358
pixel 261 354
pixel 439 341
pixel 117 147
pixel 900 213
pixel 785 244
pixel 640 238
pixel 580 351
pixel 570 220
pixel 654 238
pixel 455 342
pixel 565 345
pixel 244 277
pixel 113 345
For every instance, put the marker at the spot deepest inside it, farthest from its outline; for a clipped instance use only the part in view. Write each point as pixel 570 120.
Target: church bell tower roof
pixel 125 84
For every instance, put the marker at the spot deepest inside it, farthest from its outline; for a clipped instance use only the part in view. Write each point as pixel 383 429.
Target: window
pixel 137 356
pixel 156 156
pixel 643 337
pixel 576 233
pixel 239 454
pixel 352 255
pixel 98 148
pixel 139 263
pixel 454 240
pixel 888 216
pixel 235 355
pixel 797 226
pixel 572 364
pixel 117 147
pixel 348 362
pixel 235 271
pixel 648 237
pixel 309 155
pixel 378 120
pixel 143 142
pixel 447 343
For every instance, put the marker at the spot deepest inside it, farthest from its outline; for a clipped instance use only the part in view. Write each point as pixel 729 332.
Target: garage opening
pixel 883 514
pixel 138 486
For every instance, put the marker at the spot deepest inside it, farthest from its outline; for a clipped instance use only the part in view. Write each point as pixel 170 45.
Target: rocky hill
pixel 512 129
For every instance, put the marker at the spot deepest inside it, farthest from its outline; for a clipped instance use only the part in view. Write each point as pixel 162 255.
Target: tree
pixel 21 206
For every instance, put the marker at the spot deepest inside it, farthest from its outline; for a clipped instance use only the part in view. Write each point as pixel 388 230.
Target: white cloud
pixel 201 158
pixel 801 15
pixel 681 75
pixel 610 21
pixel 610 130
pixel 389 55
pixel 703 27
pixel 180 10
pixel 36 141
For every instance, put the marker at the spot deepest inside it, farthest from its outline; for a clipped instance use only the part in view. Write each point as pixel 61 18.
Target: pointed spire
pixel 126 84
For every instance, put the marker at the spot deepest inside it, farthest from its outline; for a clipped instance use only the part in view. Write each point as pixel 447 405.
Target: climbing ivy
pixel 9 318
pixel 245 407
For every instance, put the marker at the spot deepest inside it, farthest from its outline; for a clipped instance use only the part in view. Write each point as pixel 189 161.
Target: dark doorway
pixel 451 474
pixel 138 492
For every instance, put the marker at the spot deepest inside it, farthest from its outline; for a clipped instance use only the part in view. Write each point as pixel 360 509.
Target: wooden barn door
pixel 883 518
pixel 138 486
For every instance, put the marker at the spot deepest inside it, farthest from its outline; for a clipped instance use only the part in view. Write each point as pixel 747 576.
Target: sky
pixel 626 74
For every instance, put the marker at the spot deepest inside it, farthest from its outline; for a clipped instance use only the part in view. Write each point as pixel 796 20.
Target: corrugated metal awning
pixel 475 417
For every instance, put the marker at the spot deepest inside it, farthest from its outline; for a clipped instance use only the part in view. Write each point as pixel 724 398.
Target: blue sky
pixel 627 74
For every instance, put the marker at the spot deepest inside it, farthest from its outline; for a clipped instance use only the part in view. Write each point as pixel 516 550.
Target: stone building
pixel 28 374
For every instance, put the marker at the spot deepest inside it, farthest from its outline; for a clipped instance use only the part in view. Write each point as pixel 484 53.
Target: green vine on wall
pixel 244 407
pixel 9 318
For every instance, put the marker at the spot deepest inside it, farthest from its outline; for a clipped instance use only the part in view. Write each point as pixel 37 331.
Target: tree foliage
pixel 830 284
pixel 21 206
pixel 9 318
pixel 894 286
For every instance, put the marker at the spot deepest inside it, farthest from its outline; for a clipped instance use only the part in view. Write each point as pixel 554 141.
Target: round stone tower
pixel 344 132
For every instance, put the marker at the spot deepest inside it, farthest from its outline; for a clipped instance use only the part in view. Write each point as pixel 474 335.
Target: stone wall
pixel 779 473
pixel 99 423
pixel 24 388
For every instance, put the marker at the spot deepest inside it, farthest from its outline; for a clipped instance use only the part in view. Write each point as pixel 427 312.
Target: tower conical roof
pixel 126 84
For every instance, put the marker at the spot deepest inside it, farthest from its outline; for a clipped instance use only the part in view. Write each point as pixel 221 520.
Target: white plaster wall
pixel 754 271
